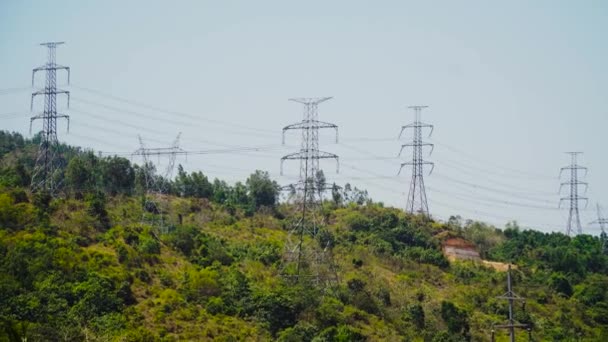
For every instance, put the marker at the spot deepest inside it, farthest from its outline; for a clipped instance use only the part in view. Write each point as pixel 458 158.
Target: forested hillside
pixel 85 265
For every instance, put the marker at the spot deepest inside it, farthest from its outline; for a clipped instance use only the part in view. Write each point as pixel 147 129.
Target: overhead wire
pixel 487 162
pixel 467 168
pixel 14 90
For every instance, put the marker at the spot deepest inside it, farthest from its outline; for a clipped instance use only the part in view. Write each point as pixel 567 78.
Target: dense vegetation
pixel 82 266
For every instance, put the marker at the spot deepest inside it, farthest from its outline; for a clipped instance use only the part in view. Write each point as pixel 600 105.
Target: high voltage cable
pixel 469 210
pixel 488 199
pixel 491 201
pixel 495 190
pixel 493 181
pixel 111 131
pixel 14 90
pixel 494 216
pixel 87 138
pixel 268 133
pixel 166 111
pixel 517 190
pixel 13 114
pixel 501 167
pixel 499 174
pixel 153 131
pixel 433 201
pixel 164 120
pixel 462 182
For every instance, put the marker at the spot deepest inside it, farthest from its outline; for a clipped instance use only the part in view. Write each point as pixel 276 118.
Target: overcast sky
pixel 510 86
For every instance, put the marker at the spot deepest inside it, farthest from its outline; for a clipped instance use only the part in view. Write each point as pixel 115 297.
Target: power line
pixel 14 90
pixel 475 158
pixel 493 201
pixel 10 115
pixel 492 189
pixel 167 121
pixel 475 210
pixel 456 181
pixel 198 117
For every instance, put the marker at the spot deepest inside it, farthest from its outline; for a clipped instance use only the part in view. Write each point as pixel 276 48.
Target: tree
pixel 415 314
pixel 96 206
pixel 336 196
pixel 194 185
pixel 456 319
pixel 561 284
pixel 262 190
pixel 320 182
pixel 78 176
pixel 118 176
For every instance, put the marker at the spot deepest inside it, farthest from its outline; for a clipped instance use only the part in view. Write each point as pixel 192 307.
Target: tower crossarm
pixel 310 124
pixel 310 100
pixel 49 92
pixel 573 183
pixel 416 125
pixel 573 168
pixel 417 144
pixel 414 164
pixel 304 154
pixel 50 68
pixel 579 198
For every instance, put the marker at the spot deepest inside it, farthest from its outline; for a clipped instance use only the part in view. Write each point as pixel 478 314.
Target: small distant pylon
pixel 156 186
pixel 511 297
pixel 574 220
pixel 305 259
pixel 47 161
pixel 603 223
pixel 416 198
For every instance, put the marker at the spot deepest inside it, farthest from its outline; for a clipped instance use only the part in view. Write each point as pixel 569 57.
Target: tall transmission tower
pixel 416 198
pixel 46 159
pixel 511 297
pixel 157 185
pixel 574 220
pixel 305 259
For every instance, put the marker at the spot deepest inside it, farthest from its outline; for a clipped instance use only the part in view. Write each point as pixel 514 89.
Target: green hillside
pixel 81 266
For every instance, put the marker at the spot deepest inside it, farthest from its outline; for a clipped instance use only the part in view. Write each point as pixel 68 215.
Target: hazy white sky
pixel 510 85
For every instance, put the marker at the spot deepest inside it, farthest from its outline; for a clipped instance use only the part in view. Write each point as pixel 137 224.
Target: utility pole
pixel 156 185
pixel 46 159
pixel 511 297
pixel 304 259
pixel 416 198
pixel 574 220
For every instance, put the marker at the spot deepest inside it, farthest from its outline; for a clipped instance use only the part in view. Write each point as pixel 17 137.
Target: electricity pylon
pixel 156 186
pixel 47 161
pixel 574 220
pixel 416 198
pixel 603 223
pixel 511 297
pixel 306 259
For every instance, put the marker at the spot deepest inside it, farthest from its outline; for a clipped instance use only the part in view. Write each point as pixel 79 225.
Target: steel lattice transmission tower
pixel 603 223
pixel 46 160
pixel 156 186
pixel 416 198
pixel 511 297
pixel 305 259
pixel 574 220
